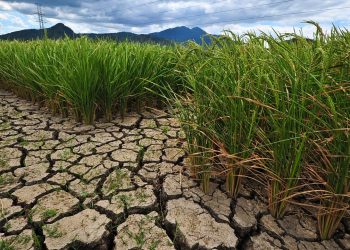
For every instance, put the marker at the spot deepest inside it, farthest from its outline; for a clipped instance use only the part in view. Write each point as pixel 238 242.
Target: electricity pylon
pixel 41 19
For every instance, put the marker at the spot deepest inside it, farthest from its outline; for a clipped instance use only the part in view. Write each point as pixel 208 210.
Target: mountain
pixel 183 34
pixel 60 31
pixel 178 34
pixel 55 32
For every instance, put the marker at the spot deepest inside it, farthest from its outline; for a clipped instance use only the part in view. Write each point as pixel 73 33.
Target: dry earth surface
pixel 123 185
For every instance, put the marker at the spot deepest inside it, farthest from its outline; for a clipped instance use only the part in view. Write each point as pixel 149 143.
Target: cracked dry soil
pixel 123 185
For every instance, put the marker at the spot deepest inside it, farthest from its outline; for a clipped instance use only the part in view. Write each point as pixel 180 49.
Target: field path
pixel 123 185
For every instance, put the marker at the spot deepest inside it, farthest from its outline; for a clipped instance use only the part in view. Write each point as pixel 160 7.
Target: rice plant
pixel 288 121
pixel 87 78
pixel 330 167
pixel 220 114
pixel 258 100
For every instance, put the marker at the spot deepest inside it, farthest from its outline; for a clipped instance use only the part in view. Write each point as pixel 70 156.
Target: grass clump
pixel 3 163
pixel 117 179
pixel 53 231
pixel 15 242
pixel 6 179
pixel 49 213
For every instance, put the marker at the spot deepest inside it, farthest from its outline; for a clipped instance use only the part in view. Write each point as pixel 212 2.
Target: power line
pixel 277 15
pixel 232 20
pixel 166 11
pixel 139 5
pixel 223 11
pixel 266 16
pixel 196 5
pixel 129 8
pixel 206 14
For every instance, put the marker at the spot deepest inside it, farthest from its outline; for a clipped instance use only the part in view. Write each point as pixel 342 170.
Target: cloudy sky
pixel 145 16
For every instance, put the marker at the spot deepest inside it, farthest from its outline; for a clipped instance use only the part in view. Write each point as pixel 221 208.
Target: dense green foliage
pixel 271 108
pixel 89 78
pixel 275 109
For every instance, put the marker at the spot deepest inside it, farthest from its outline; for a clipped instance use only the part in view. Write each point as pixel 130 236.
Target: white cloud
pixel 5 6
pixel 3 16
pixel 211 15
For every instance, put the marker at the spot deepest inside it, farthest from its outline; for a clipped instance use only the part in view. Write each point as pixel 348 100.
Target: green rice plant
pixel 251 101
pixel 285 133
pixel 220 114
pixel 88 79
pixel 335 174
pixel 330 168
pixel 295 78
pixel 330 164
pixel 141 66
pixel 199 146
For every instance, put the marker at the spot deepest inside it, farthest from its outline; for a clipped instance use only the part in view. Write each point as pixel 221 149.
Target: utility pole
pixel 41 19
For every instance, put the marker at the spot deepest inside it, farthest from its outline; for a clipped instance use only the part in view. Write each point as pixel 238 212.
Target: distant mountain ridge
pixel 182 34
pixel 178 34
pixel 55 32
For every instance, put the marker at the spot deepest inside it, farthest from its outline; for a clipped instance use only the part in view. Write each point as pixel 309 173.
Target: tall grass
pixel 219 107
pixel 331 164
pixel 275 103
pixel 289 120
pixel 84 77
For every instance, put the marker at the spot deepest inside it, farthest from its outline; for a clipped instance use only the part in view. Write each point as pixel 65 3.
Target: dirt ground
pixel 123 185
